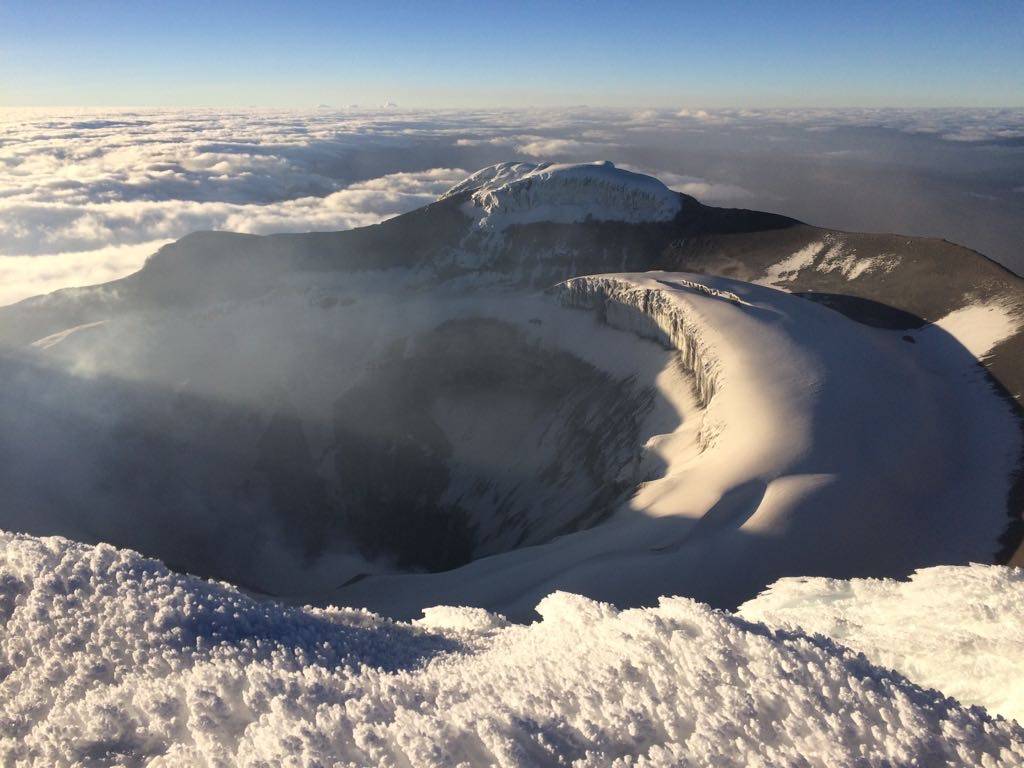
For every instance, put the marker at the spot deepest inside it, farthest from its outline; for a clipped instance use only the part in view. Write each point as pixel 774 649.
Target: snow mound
pixel 110 659
pixel 981 327
pixel 958 629
pixel 525 193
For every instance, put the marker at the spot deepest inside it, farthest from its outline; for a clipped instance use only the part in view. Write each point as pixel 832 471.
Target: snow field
pixel 956 628
pixel 111 659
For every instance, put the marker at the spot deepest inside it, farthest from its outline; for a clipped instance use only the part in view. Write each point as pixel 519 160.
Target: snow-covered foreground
pixel 111 659
pixel 956 628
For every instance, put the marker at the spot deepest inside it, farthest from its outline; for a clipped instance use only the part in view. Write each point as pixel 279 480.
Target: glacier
pixel 511 194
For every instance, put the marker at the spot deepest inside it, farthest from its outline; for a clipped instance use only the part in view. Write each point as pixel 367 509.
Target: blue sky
pixel 484 54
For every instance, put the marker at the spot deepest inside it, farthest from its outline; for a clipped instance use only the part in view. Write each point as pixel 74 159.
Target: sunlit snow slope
pixel 110 659
pixel 957 629
pixel 818 446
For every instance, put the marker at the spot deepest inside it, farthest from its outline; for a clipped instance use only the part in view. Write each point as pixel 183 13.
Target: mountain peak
pixel 525 193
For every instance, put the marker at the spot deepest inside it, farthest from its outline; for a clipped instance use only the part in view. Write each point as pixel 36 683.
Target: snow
pixel 957 629
pixel 785 440
pixel 885 262
pixel 980 327
pixel 441 617
pixel 832 254
pixel 783 271
pixel 805 444
pixel 510 194
pixel 48 342
pixel 110 659
pixel 841 258
pixel 792 405
pixel 838 258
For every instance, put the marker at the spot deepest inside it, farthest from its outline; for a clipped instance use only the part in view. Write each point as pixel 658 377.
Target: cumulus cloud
pixel 496 141
pixel 711 192
pixel 703 116
pixel 551 147
pixel 87 195
pixel 704 190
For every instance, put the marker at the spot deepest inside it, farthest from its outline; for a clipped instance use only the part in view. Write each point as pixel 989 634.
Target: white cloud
pixel 78 186
pixel 703 116
pixel 695 186
pixel 86 196
pixel 46 246
pixel 27 228
pixel 23 276
pixel 481 142
pixel 963 125
pixel 704 190
pixel 549 147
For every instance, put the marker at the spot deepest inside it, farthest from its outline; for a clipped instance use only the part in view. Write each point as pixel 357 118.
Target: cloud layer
pixel 86 195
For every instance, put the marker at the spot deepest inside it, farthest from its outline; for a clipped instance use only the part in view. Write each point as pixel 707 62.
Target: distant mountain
pixel 462 404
